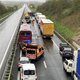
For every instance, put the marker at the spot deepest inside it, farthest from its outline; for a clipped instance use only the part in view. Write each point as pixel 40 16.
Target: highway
pixel 8 31
pixel 49 67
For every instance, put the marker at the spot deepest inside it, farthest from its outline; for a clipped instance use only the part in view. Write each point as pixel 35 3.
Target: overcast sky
pixel 25 0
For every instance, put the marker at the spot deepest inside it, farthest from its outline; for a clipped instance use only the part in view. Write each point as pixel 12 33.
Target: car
pixel 23 60
pixel 67 53
pixel 28 19
pixel 24 21
pixel 62 45
pixel 28 72
pixel 67 65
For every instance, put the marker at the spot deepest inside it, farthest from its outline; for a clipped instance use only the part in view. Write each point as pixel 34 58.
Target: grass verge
pixel 1 16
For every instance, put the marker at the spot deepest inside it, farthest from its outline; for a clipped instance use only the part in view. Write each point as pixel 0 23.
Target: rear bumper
pixel 67 56
pixel 47 36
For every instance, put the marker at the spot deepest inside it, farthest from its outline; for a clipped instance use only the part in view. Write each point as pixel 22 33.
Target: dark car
pixel 67 53
pixel 62 45
pixel 28 19
pixel 31 13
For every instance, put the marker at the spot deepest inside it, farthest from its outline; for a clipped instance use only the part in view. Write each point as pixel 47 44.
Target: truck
pixel 33 51
pixel 76 65
pixel 27 18
pixel 47 28
pixel 39 18
pixel 31 13
pixel 36 16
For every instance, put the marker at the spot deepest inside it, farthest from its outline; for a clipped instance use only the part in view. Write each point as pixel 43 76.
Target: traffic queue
pixel 30 50
pixel 71 59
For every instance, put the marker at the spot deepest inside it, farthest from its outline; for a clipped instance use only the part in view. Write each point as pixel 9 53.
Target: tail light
pixel 19 64
pixel 60 47
pixel 36 78
pixel 21 79
pixel 71 53
pixel 67 67
pixel 64 53
pixel 22 72
pixel 36 73
pixel 23 48
pixel 51 36
pixel 44 36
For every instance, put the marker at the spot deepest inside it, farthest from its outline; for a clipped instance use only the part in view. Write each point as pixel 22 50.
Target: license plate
pixel 26 78
pixel 67 54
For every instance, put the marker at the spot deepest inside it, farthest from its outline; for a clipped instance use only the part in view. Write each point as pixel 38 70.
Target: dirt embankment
pixel 73 23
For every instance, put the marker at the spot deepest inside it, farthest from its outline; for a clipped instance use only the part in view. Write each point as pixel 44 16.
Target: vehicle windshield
pixel 68 51
pixel 25 32
pixel 64 45
pixel 33 47
pixel 23 62
pixel 27 17
pixel 29 72
pixel 70 65
pixel 31 51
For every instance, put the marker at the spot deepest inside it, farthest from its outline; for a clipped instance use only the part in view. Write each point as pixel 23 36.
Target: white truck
pixel 39 18
pixel 76 65
pixel 36 15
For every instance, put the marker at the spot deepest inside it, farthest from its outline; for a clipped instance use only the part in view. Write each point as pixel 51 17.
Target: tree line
pixel 5 9
pixel 52 7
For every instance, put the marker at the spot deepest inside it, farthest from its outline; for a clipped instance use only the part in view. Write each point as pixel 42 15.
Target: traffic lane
pixel 6 46
pixel 52 58
pixel 54 70
pixel 56 40
pixel 7 34
pixel 8 20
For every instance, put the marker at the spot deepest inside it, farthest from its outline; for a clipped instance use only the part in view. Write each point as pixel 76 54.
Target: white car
pixel 28 72
pixel 67 65
pixel 24 21
pixel 23 60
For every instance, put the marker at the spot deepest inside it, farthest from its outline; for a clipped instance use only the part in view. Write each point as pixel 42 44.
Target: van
pixel 28 72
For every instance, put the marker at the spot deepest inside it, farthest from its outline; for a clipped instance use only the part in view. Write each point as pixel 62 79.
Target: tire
pixel 37 59
pixel 42 54
pixel 18 69
pixel 63 68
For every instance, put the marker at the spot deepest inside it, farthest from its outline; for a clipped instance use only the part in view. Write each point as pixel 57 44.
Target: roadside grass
pixel 66 32
pixel 1 16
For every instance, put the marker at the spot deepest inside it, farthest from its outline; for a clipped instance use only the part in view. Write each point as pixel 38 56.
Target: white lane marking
pixel 8 45
pixel 45 64
pixel 18 76
pixel 20 53
pixel 55 44
pixel 7 48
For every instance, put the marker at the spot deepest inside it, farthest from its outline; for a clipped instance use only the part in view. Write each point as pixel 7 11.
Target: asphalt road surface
pixel 49 67
pixel 8 31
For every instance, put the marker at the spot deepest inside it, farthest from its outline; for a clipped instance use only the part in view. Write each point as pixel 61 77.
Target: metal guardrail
pixel 64 39
pixel 2 19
